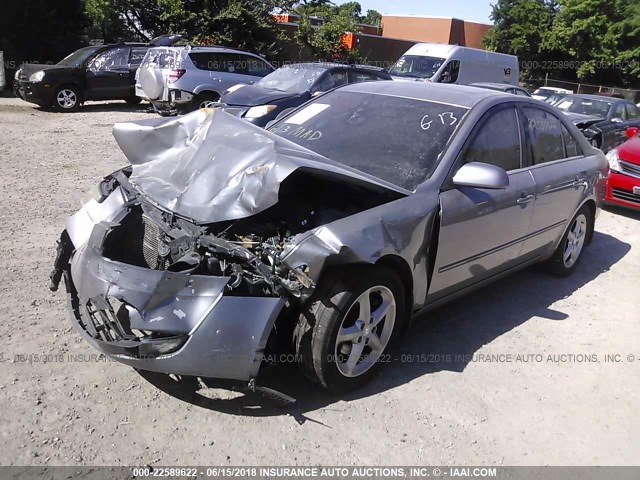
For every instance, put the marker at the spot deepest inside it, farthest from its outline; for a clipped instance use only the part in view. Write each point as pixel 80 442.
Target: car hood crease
pixel 209 166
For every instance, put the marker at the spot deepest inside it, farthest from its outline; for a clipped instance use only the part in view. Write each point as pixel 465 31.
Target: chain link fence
pixel 585 88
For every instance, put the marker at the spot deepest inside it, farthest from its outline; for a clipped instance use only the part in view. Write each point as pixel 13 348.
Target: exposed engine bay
pixel 247 250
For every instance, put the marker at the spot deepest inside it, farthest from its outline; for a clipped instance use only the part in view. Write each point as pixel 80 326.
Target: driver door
pixel 108 76
pixel 482 231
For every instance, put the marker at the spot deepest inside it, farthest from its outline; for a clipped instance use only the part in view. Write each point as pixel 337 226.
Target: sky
pixel 472 10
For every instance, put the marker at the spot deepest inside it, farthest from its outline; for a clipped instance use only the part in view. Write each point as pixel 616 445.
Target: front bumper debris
pixel 157 320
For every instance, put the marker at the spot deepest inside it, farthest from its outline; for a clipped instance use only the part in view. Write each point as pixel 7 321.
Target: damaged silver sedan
pixel 323 234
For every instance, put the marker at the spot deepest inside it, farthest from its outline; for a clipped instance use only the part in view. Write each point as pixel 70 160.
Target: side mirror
pixel 616 120
pixel 481 175
pixel 632 132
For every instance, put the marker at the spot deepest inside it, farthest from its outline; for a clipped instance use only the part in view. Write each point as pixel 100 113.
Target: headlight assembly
pixel 261 111
pixel 37 76
pixel 614 160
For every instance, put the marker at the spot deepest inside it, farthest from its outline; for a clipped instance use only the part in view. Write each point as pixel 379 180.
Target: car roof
pixel 501 86
pixel 204 48
pixel 332 65
pixel 597 97
pixel 454 95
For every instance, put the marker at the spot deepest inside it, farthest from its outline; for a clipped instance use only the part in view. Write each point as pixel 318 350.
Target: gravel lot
pixel 559 403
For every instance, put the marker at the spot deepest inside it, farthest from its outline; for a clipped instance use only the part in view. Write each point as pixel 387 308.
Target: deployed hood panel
pixel 210 166
pixel 581 120
pixel 252 96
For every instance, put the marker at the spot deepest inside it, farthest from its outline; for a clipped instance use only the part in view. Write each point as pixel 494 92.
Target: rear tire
pixel 336 347
pixel 67 99
pixel 571 247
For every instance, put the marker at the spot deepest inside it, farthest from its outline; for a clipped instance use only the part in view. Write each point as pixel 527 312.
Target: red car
pixel 623 187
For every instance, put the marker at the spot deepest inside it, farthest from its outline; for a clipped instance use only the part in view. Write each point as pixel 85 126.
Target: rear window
pixel 162 58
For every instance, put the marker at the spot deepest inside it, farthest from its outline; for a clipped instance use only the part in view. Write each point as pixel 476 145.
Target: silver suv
pixel 183 79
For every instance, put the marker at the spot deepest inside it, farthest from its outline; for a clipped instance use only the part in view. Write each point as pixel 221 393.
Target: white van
pixel 436 62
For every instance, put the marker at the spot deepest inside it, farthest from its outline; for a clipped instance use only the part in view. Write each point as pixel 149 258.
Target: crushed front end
pixel 161 293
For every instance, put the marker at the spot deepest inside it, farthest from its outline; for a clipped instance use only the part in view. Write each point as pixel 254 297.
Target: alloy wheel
pixel 66 98
pixel 365 331
pixel 575 241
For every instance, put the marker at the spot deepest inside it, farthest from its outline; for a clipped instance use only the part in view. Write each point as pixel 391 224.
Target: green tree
pixel 628 31
pixel 325 39
pixel 373 17
pixel 40 31
pixel 586 31
pixel 242 24
pixel 520 27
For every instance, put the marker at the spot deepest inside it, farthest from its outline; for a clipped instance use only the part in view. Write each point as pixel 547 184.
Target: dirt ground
pixel 515 374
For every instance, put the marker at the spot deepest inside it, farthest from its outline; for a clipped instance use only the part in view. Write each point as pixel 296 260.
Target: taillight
pixel 174 75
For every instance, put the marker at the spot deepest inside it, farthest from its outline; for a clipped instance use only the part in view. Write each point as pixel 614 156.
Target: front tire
pixel 343 333
pixel 569 251
pixel 67 99
pixel 133 100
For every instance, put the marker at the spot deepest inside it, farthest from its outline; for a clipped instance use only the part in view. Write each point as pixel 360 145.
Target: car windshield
pixel 78 57
pixel 294 78
pixel 400 140
pixel 585 106
pixel 416 66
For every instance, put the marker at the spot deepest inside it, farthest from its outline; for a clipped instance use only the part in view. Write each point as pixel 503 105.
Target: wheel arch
pixel 81 89
pixel 400 267
pixel 205 89
pixel 591 205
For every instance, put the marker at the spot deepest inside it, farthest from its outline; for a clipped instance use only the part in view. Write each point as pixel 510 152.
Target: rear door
pixel 557 167
pixel 482 231
pixel 108 75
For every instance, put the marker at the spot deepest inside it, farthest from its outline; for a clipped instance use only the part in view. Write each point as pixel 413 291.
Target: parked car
pixel 502 87
pixel 436 62
pixel 183 79
pixel 325 232
pixel 543 93
pixel 292 85
pixel 623 186
pixel 103 72
pixel 555 98
pixel 604 121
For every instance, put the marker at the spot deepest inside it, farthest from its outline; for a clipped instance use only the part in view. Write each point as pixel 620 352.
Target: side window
pixel 632 112
pixel 522 93
pixel 202 60
pixel 356 76
pixel 570 145
pixel 254 66
pixel 136 57
pixel 545 134
pixel 114 59
pixel 496 141
pixel 450 72
pixel 619 111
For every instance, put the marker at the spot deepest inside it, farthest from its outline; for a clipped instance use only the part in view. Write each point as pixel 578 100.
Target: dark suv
pixel 104 72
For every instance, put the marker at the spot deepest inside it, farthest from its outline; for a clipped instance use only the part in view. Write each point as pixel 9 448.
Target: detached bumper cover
pixel 134 314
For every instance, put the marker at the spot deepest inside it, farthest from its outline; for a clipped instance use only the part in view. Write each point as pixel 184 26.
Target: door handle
pixel 580 182
pixel 525 199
